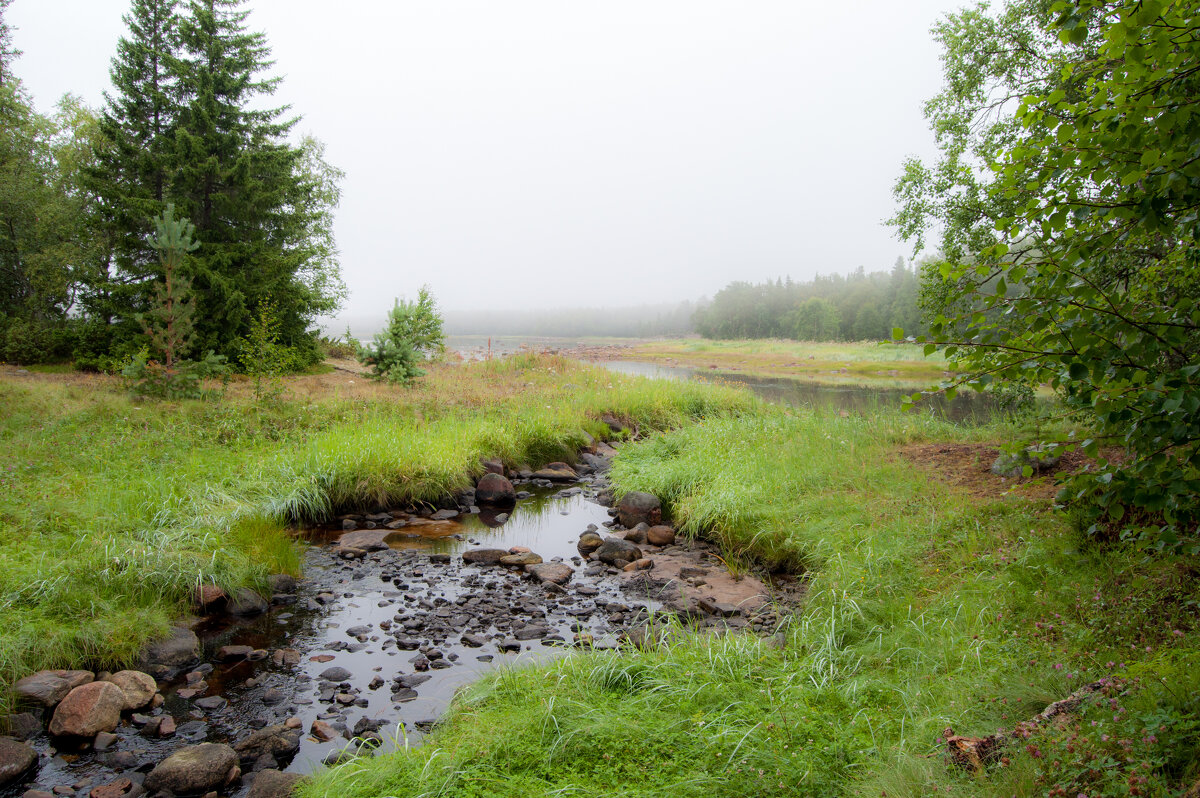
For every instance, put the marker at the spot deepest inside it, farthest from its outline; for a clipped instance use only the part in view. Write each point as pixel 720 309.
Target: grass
pixel 111 511
pixel 861 362
pixel 928 608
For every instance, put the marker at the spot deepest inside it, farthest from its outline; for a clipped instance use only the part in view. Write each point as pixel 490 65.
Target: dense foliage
pixel 854 307
pixel 413 335
pixel 186 124
pixel 1069 190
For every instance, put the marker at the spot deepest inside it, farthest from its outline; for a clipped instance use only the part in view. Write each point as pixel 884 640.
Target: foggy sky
pixel 535 154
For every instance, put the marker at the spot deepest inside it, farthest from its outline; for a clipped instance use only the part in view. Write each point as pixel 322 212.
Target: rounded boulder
pixel 88 710
pixel 194 770
pixel 495 488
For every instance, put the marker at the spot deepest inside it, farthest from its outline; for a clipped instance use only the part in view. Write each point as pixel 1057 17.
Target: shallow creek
pixel 377 643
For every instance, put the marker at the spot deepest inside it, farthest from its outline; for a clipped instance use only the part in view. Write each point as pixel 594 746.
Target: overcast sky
pixel 546 154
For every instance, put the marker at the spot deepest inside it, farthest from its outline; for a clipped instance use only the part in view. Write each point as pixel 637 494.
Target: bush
pixel 182 380
pixel 263 358
pixel 413 335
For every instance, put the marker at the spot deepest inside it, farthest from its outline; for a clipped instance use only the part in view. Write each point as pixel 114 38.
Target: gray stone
pixel 554 572
pixel 247 602
pixel 615 550
pixel 194 770
pixel 47 688
pixel 484 556
pixel 16 759
pixel 335 674
pixel 282 583
pixel 280 741
pixel 274 784
pixel 556 472
pixel 23 725
pixel 139 688
pixel 167 656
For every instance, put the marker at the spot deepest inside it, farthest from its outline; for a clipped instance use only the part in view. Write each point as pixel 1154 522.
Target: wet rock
pixel 230 653
pixel 523 558
pixel 209 597
pixel 491 465
pixel 165 657
pixel 349 553
pixel 139 688
pixel 660 535
pixel 349 524
pixel 272 696
pixel 166 726
pixel 44 688
pixel 484 556
pixel 274 784
pixel 365 540
pixel 556 472
pixel 444 515
pixel 717 608
pixel 588 543
pixel 23 725
pixel 495 489
pixel 322 731
pixel 194 770
pixel 636 508
pixel 553 572
pixel 16 759
pixel 280 741
pixel 37 794
pixel 474 640
pixel 114 789
pixel 531 632
pixel 212 703
pixel 335 674
pixel 412 679
pixel 285 658
pixel 282 583
pixel 89 709
pixel 644 564
pixel 615 550
pixel 247 602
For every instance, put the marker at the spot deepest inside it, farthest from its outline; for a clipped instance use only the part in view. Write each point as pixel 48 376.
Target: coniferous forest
pixel 186 126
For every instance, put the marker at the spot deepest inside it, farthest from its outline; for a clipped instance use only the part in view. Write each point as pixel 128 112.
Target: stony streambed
pixel 398 610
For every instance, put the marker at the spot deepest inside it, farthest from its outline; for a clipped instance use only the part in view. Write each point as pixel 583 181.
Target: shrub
pixel 413 335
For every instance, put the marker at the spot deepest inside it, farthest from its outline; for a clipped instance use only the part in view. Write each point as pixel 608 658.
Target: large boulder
pixel 615 551
pixel 139 688
pixel 274 784
pixel 166 657
pixel 660 535
pixel 639 508
pixel 16 759
pixel 47 688
pixel 495 489
pixel 280 741
pixel 247 602
pixel 194 770
pixel 88 710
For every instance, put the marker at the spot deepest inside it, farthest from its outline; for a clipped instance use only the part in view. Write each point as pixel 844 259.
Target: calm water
pixel 966 408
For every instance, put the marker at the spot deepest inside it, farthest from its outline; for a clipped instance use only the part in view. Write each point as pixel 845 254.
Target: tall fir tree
pixel 134 165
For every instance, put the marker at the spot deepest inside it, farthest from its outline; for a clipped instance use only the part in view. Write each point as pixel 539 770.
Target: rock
pixel 366 540
pixel 323 731
pixel 717 608
pixel 229 653
pixel 247 602
pixel 212 703
pixel 553 572
pixel 660 535
pixel 89 709
pixel 644 564
pixel 531 632
pixel 139 688
pixel 494 489
pixel 16 759
pixel 491 466
pixel 194 770
pixel 615 550
pixel 280 741
pixel 282 583
pixel 335 674
pixel 444 515
pixel 274 784
pixel 165 657
pixel 589 542
pixel 208 597
pixel 474 640
pixel 285 657
pixel 37 794
pixel 636 508
pixel 23 725
pixel 42 688
pixel 612 422
pixel 349 524
pixel 638 533
pixel 556 472
pixel 114 789
pixel 525 558
pixel 166 726
pixel 349 553
pixel 484 556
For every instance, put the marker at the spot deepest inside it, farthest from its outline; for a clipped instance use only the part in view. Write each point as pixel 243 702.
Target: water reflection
pixel 966 408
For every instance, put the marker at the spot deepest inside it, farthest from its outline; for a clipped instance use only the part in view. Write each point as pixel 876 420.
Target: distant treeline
pixel 854 307
pixel 646 321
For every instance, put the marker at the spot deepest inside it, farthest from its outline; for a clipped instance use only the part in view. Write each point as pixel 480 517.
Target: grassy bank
pixel 929 607
pixel 112 510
